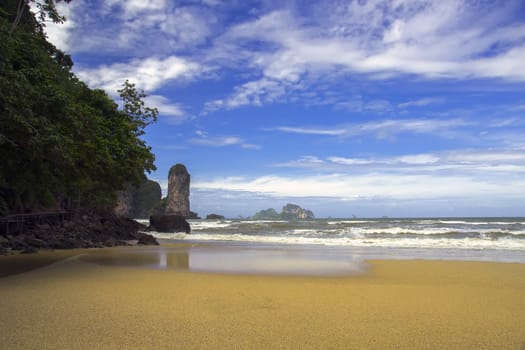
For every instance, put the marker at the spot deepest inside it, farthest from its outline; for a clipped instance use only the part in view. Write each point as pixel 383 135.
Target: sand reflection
pixel 223 259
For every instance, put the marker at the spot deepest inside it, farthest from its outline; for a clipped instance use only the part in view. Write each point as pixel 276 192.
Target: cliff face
pixel 124 206
pixel 138 202
pixel 178 191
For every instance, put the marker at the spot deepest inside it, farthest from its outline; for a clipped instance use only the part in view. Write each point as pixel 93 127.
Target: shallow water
pixel 232 259
pixel 477 239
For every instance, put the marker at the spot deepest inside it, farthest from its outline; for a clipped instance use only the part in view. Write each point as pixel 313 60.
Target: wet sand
pixel 77 304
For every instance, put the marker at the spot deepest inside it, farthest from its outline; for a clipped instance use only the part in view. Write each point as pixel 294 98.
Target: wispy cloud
pixel 501 162
pixel 453 174
pixel 384 39
pixel 385 129
pixel 288 50
pixel 353 187
pixel 221 141
pixel 313 131
pixel 420 102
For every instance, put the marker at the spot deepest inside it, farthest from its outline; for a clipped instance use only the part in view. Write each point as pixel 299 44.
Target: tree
pixel 134 107
pixel 62 142
pixel 46 9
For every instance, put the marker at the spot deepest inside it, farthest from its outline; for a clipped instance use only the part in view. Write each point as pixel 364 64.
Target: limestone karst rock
pixel 295 212
pixel 138 201
pixel 178 191
pixel 124 206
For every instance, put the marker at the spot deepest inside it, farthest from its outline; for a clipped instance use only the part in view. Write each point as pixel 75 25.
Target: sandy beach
pixel 76 304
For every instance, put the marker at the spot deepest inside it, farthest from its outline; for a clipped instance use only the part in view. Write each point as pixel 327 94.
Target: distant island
pixel 214 217
pixel 288 212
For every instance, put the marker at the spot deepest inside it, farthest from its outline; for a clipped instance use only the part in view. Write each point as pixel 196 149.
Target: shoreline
pixel 76 304
pixel 238 258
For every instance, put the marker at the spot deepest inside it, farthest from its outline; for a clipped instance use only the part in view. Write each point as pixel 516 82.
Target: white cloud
pixel 303 162
pixel 171 113
pixel 420 102
pixel 60 33
pixel 385 129
pixel 350 161
pixel 134 8
pixel 221 141
pixel 313 131
pixel 488 157
pixel 256 93
pixel 392 186
pixel 418 159
pixel 378 106
pixel 462 178
pixel 186 26
pixel 281 53
pixel 148 74
pixel 476 163
pixel 384 39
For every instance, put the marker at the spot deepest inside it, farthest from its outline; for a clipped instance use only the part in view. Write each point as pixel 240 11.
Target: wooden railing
pixel 15 222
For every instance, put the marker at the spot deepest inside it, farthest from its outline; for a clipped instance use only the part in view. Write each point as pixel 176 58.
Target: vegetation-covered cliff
pixel 139 201
pixel 63 144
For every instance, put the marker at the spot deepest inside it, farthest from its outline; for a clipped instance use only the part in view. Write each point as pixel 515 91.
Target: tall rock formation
pixel 178 191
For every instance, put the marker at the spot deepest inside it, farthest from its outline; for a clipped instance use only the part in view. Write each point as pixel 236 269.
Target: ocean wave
pixel 489 234
pixel 503 243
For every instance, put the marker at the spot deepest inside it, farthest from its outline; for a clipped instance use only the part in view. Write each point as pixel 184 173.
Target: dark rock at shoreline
pixel 169 223
pixel 146 239
pixel 85 230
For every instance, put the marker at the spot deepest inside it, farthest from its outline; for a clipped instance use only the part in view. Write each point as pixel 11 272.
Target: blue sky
pixel 367 108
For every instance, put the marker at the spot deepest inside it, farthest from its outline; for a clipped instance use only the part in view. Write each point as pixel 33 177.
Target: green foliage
pixel 267 214
pixel 62 144
pixel 46 9
pixel 134 107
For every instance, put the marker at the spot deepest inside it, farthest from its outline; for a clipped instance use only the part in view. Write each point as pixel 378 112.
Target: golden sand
pixel 73 304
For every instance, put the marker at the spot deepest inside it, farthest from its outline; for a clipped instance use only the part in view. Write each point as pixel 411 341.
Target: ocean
pixel 474 239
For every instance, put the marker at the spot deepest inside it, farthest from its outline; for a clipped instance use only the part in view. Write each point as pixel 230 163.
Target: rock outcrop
pixel 124 206
pixel 84 230
pixel 289 212
pixel 295 212
pixel 169 223
pixel 178 191
pixel 139 202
